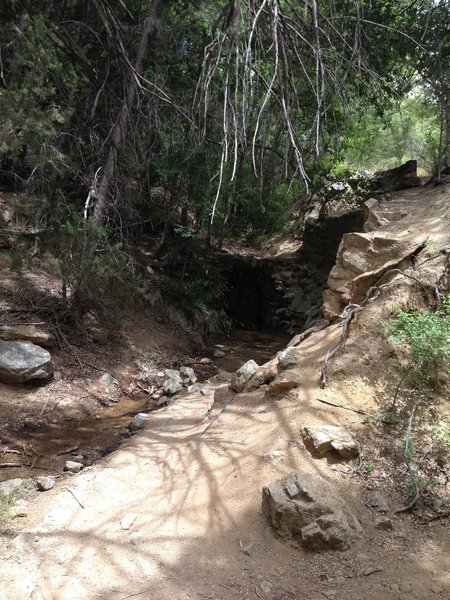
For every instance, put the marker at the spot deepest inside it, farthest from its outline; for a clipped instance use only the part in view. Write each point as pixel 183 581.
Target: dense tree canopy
pixel 203 113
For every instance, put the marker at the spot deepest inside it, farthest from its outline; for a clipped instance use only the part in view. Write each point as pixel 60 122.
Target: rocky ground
pixel 201 503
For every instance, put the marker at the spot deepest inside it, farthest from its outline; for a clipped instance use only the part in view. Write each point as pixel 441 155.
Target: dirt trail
pixel 172 515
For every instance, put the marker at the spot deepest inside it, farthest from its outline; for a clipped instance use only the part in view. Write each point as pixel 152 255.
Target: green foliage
pixel 407 130
pixel 441 434
pixel 96 274
pixel 425 334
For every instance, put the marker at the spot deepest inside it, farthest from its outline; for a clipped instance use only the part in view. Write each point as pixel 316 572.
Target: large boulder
pixel 304 509
pixel 27 333
pixel 23 361
pixel 361 260
pixel 285 381
pixel 399 178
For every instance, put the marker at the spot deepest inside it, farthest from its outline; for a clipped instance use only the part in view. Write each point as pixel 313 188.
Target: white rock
pixel 243 374
pixel 173 374
pixel 172 386
pixel 73 467
pixel 290 356
pixel 107 380
pixel 193 388
pixel 23 361
pixel 206 361
pixel 128 521
pixel 189 373
pixel 139 421
pixel 10 486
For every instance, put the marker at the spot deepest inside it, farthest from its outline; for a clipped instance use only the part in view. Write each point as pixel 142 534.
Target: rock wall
pixel 285 292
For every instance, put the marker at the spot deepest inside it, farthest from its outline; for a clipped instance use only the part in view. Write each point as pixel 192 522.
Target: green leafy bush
pixel 425 334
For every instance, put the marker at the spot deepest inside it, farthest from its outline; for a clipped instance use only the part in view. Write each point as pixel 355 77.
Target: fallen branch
pixel 356 410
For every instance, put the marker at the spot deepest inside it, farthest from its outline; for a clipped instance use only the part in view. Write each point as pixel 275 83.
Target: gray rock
pixel 193 388
pixel 272 456
pixel 72 466
pixel 379 501
pixel 219 353
pixel 304 508
pixel 321 439
pixel 287 380
pixel 139 421
pixel 206 361
pixel 23 361
pixel 189 373
pixel 290 356
pixel 45 483
pixel 107 380
pixel 384 523
pixel 242 375
pixel 10 486
pixel 172 386
pixel 162 400
pixel 27 333
pixel 173 374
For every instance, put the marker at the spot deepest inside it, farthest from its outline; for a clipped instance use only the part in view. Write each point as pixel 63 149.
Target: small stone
pixel 189 373
pixel 128 520
pixel 266 587
pixel 99 335
pixel 321 439
pixel 20 508
pixel 45 483
pixel 139 421
pixel 290 356
pixel 107 380
pixel 406 587
pixel 206 361
pixel 330 594
pixel 193 388
pixel 10 486
pixel 73 467
pixel 436 589
pixel 163 400
pixel 272 456
pixel 172 386
pixel 384 524
pixel 219 354
pixel 287 380
pixel 379 501
pixel 173 374
pixel 57 375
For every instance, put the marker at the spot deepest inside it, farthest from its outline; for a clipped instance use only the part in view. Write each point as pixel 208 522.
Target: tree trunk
pixel 122 124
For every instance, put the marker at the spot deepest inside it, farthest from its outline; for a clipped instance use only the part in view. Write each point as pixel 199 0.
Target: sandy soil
pixel 176 515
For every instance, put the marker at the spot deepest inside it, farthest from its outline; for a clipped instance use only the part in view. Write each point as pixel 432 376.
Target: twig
pixel 12 464
pixel 163 425
pixel 68 450
pixel 356 410
pixel 136 594
pixel 70 492
pixel 219 414
pixel 22 324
